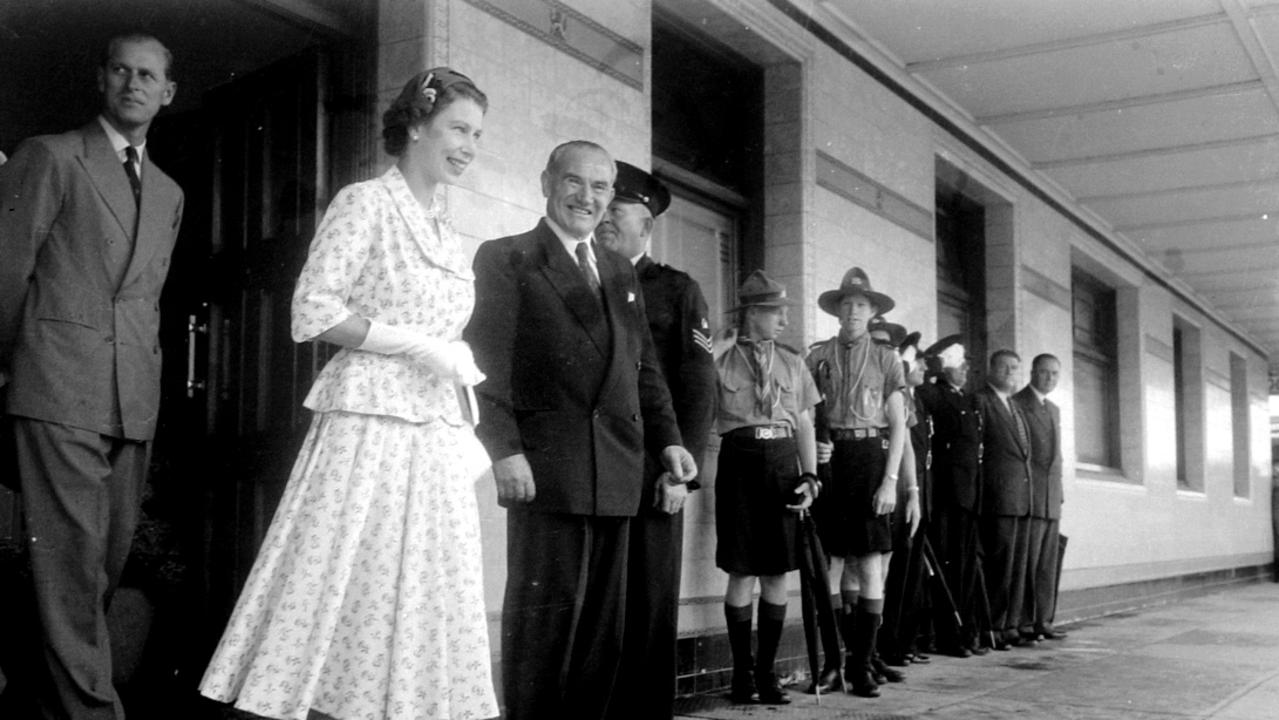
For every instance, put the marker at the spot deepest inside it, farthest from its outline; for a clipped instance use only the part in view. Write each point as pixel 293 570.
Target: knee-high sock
pixel 739 635
pixel 771 618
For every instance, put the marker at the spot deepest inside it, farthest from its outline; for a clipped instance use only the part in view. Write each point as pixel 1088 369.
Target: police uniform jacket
pixel 957 438
pixel 572 383
pixel 681 335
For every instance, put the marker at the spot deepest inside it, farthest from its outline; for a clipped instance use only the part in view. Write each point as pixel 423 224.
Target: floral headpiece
pixel 434 81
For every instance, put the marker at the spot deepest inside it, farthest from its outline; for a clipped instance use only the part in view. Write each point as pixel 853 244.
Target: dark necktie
pixel 584 264
pixel 130 160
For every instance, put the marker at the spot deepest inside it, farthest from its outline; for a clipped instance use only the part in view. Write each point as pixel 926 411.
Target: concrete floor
pixel 1214 656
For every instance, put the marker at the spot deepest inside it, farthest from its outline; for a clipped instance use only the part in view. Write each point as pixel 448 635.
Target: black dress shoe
pixel 979 650
pixel 1030 638
pixel 770 692
pixel 862 684
pixel 830 680
pixel 959 652
pixel 1052 634
pixel 918 659
pixel 883 671
pixel 896 660
pixel 742 690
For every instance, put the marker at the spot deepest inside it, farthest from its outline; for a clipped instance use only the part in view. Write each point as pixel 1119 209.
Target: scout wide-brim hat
pixel 759 290
pixel 855 283
pixel 635 185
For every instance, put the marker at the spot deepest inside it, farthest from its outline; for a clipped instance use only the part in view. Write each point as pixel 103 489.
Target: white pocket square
pixel 630 297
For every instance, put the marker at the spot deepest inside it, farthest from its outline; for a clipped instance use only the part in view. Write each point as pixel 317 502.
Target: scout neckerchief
pixel 850 399
pixel 760 361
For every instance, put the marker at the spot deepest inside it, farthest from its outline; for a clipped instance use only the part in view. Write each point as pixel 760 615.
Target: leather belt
pixel 855 433
pixel 763 432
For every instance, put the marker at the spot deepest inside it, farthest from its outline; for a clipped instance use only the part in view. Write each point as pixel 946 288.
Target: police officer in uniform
pixel 765 477
pixel 956 470
pixel 681 335
pixel 861 384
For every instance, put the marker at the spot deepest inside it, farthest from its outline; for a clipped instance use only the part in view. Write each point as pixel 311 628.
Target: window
pixel 1240 427
pixel 1188 399
pixel 1096 377
pixel 961 281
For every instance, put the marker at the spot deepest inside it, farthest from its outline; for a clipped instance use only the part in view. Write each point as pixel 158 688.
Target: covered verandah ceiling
pixel 1159 120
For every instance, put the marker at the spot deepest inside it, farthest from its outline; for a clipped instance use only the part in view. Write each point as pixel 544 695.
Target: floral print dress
pixel 366 598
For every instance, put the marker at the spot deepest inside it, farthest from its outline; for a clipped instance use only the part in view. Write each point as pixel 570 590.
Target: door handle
pixel 194 329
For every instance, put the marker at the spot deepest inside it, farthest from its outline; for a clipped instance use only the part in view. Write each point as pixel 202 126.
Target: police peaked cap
pixel 635 185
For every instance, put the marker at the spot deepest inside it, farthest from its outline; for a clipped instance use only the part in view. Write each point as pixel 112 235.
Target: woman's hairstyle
pixel 427 94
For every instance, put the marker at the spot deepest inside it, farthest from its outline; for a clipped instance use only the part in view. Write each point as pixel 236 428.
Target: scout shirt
pixel 856 377
pixel 745 402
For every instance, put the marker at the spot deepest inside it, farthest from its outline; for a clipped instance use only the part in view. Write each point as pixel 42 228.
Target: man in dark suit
pixel 87 226
pixel 681 334
pixel 1043 419
pixel 956 472
pixel 574 395
pixel 1006 497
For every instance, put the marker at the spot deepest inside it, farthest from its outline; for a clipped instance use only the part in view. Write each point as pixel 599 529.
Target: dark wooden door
pixel 272 146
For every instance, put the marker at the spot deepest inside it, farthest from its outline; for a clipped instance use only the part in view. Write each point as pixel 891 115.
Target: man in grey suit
pixel 1043 418
pixel 87 227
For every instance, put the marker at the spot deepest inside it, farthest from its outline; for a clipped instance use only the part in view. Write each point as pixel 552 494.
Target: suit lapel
pixel 155 225
pixel 1009 422
pixel 108 177
pixel 563 275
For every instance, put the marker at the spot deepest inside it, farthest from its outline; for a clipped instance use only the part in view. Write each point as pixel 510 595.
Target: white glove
pixel 451 360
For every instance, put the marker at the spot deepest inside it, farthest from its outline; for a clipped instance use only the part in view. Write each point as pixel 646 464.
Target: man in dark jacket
pixel 956 471
pixel 681 334
pixel 573 397
pixel 1006 497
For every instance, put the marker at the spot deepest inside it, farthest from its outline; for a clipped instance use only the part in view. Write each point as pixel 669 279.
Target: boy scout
pixel 861 383
pixel 765 478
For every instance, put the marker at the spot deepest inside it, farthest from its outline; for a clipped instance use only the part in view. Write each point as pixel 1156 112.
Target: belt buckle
pixel 763 433
pixel 860 433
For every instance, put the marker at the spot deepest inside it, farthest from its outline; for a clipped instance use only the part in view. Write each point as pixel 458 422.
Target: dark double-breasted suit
pixel 573 384
pixel 1006 502
pixel 956 498
pixel 82 266
pixel 1043 419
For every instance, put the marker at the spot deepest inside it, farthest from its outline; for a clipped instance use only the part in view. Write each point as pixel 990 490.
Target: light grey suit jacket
pixel 77 337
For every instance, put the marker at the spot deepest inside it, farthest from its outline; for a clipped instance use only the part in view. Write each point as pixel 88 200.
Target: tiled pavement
pixel 1214 656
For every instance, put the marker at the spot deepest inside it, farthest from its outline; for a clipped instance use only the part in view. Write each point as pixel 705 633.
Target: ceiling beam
pixel 307 15
pixel 1148 194
pixel 1124 103
pixel 1266 216
pixel 1207 247
pixel 1260 56
pixel 1269 270
pixel 1155 152
pixel 1134 33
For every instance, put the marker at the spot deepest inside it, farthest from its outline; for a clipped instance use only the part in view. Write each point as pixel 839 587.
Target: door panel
pixel 701 241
